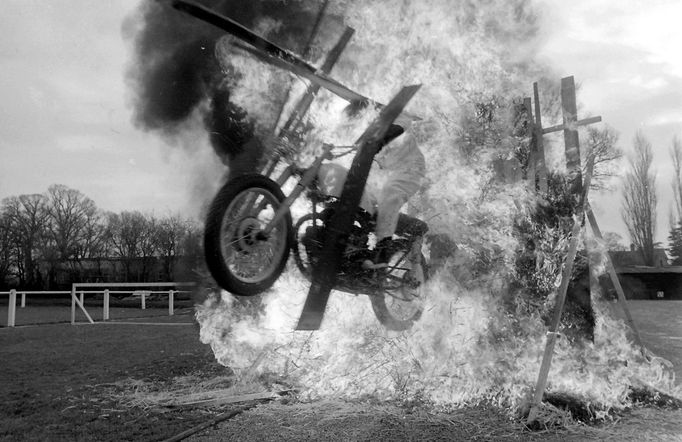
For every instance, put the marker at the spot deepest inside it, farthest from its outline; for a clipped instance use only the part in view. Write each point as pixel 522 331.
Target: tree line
pixel 640 200
pixel 48 241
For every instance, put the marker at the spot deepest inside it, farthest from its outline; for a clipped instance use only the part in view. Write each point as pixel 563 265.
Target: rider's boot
pixel 381 255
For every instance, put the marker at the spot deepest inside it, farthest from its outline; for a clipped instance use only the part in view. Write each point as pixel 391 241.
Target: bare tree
pixel 639 199
pixel 6 249
pixel 148 245
pixel 602 143
pixel 170 233
pixel 676 156
pixel 69 211
pixel 124 233
pixel 132 237
pixel 27 219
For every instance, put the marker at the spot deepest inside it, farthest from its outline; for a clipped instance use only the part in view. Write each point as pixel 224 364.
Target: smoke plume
pixel 176 79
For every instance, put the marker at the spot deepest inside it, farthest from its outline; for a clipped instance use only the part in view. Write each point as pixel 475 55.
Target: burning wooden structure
pixel 316 301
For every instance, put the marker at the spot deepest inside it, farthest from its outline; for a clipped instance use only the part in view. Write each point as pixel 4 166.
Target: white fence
pixel 78 292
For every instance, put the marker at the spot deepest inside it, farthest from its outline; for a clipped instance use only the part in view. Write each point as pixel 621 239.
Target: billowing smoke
pixel 177 81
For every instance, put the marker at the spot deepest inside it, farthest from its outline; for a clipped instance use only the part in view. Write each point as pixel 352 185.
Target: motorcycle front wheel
pixel 401 301
pixel 241 258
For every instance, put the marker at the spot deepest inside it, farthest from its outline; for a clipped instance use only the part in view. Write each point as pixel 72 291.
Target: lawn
pixel 58 382
pixel 64 382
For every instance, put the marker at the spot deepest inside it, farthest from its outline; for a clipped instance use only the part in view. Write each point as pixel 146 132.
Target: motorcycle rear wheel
pixel 240 258
pixel 401 302
pixel 301 257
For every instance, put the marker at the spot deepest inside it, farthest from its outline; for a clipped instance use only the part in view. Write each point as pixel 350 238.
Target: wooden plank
pixel 540 167
pixel 532 151
pixel 583 122
pixel 571 140
pixel 221 397
pixel 266 50
pixel 304 103
pixel 301 70
pixel 561 298
pixel 616 282
pixel 243 33
pixel 306 53
pixel 336 235
pixel 75 299
pixel 296 118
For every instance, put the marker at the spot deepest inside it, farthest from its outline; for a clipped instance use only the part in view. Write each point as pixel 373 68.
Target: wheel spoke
pixel 248 257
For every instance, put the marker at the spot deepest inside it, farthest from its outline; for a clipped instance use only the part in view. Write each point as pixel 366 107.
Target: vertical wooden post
pixel 23 299
pixel 12 308
pixel 73 304
pixel 142 298
pixel 532 151
pixel 571 140
pixel 540 167
pixel 105 313
pixel 82 298
pixel 171 294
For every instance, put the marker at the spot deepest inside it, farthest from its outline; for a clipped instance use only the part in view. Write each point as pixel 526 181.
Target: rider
pixel 398 171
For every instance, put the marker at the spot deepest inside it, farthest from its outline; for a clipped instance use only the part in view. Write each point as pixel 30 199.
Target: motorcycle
pixel 249 235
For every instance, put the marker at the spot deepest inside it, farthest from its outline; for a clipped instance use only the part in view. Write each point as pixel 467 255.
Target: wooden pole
pixel 171 300
pixel 73 304
pixel 23 299
pixel 571 140
pixel 12 308
pixel 561 298
pixel 540 167
pixel 610 268
pixel 105 313
pixel 532 154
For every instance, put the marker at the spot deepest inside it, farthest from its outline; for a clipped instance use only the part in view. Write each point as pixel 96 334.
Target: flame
pixel 467 347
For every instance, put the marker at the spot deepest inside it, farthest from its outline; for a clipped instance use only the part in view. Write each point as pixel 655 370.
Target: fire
pixel 464 350
pixel 468 346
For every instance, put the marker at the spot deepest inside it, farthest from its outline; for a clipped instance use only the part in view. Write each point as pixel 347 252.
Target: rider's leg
pixel 394 194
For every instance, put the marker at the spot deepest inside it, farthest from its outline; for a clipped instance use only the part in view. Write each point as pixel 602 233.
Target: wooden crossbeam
pixel 583 122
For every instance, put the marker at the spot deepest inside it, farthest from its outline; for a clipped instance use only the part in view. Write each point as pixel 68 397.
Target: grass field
pixel 63 382
pixel 53 311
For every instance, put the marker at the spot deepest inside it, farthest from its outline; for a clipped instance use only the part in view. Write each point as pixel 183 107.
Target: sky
pixel 66 117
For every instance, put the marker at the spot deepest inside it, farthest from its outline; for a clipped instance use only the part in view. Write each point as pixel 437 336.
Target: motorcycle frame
pixel 305 181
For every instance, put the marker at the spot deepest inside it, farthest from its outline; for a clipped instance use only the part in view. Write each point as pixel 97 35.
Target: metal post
pixel 23 299
pixel 144 305
pixel 82 297
pixel 171 294
pixel 105 314
pixel 12 310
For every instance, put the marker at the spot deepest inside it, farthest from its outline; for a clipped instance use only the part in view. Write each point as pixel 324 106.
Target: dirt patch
pixel 365 421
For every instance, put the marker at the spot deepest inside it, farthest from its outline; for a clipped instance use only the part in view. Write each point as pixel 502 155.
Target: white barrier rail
pixel 79 300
